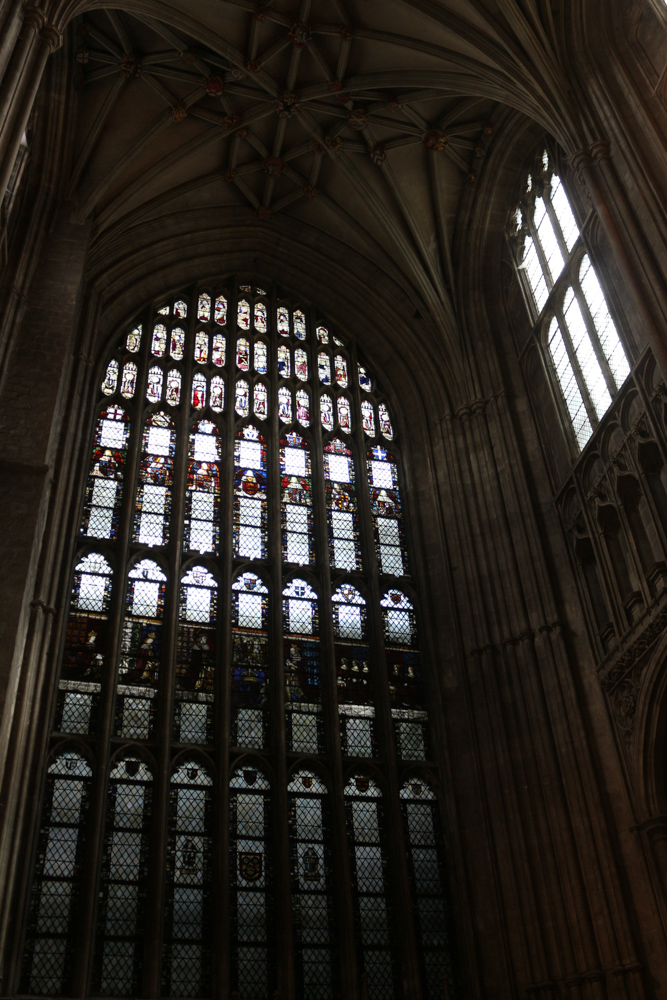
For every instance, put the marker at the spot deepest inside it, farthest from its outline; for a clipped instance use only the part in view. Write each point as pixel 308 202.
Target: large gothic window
pixel 241 691
pixel 566 301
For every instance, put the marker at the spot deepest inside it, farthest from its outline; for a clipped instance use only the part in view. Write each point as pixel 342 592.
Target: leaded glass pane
pixel 604 324
pixel 585 354
pixel 569 385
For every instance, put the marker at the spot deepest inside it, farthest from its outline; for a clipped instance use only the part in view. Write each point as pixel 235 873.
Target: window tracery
pixel 222 607
pixel 566 301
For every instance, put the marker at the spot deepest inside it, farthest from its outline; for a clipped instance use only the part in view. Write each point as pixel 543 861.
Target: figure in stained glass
pixel 284 369
pixel 283 321
pixel 243 315
pixel 284 404
pixel 242 398
pixel 368 417
pixel 384 419
pixel 159 342
pixel 344 414
pixel 221 310
pixel 218 354
pixel 180 309
pixel 326 411
pixel 129 380
pixel 324 368
pixel 261 401
pixel 173 393
pixel 322 334
pixel 217 394
pixel 201 347
pixel 154 385
pixel 110 379
pixel 198 391
pixel 364 379
pixel 204 307
pixel 299 325
pixel 303 407
pixel 301 364
pixel 260 317
pixel 243 354
pixel 261 357
pixel 177 343
pixel 133 342
pixel 340 368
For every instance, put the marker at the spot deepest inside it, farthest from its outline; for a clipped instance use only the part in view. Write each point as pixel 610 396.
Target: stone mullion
pixel 343 908
pixel 280 813
pixel 220 964
pixel 635 567
pixel 83 974
pixel 165 707
pixel 400 889
pixel 512 619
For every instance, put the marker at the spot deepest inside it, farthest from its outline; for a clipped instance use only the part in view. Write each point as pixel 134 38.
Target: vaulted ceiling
pixel 365 119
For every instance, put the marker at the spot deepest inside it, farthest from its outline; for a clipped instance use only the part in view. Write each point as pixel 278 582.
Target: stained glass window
pixel 195 657
pixel 129 382
pixel 56 889
pixel 105 481
pixel 299 325
pixel 201 347
pixel 221 310
pixel 204 307
pixel 583 349
pixel 133 342
pixel 296 500
pixel 219 352
pixel 311 872
pixel 303 407
pixel 110 379
pixel 159 342
pixel 251 883
pixel 387 514
pixel 177 343
pixel 85 646
pixel 202 494
pixel 427 876
pixel 250 494
pixel 156 476
pixel 250 662
pixel 154 384
pixel 122 896
pixel 343 520
pixel 186 964
pixel 201 621
pixel 368 861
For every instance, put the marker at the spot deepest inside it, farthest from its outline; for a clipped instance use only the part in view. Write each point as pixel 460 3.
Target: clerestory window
pixel 241 639
pixel 567 304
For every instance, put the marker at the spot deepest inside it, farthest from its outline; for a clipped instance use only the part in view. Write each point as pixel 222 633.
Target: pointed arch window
pixel 240 610
pixel 581 342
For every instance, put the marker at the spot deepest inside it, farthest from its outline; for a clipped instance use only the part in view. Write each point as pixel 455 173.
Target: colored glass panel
pixel 303 407
pixel 201 347
pixel 110 379
pixel 198 391
pixel 324 368
pixel 243 354
pixel 260 317
pixel 177 345
pixel 204 307
pixel 154 384
pixel 261 357
pixel 384 419
pixel 261 401
pixel 368 417
pixel 282 319
pixel 344 414
pixel 296 500
pixel 243 315
pixel 340 369
pixel 180 309
pixel 242 398
pixel 285 404
pixel 221 310
pixel 250 494
pixel 284 367
pixel 299 325
pixel 173 392
pixel 104 486
pixel 202 496
pixel 219 351
pixel 322 334
pixel 128 383
pixel 133 342
pixel 217 394
pixel 159 341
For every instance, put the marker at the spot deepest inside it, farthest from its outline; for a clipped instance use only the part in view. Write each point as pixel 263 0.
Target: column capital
pixel 33 18
pixel 600 150
pixel 52 36
pixel 581 160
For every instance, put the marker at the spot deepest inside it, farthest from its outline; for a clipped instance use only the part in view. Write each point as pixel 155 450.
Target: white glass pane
pixel 381 474
pixel 250 455
pixel 349 621
pixel 297 518
pixel 391 561
pixel 150 529
pixel 197 604
pixel 344 554
pixel 250 511
pixel 588 362
pixel 250 542
pixel 548 239
pixel 398 626
pixel 295 462
pixel 201 536
pixel 533 268
pixel 297 549
pixel 206 449
pixel 250 611
pixel 113 434
pixel 202 506
pixel 566 219
pixel 342 524
pixel 300 616
pixel 569 386
pixel 91 593
pixel 339 468
pixel 145 598
pixel 604 324
pixel 158 440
